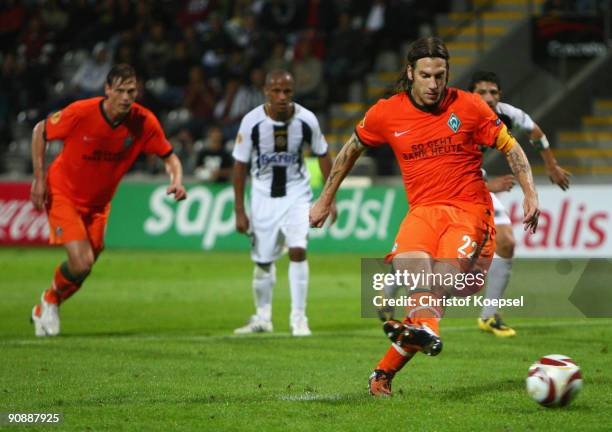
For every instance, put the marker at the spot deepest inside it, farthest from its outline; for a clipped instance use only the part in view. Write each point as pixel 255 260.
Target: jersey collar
pixel 267 113
pixel 426 108
pixel 112 124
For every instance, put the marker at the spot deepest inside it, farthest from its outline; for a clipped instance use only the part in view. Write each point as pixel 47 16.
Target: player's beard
pixel 433 99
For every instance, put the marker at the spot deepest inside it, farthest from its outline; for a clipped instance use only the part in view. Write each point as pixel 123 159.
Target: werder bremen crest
pixel 454 123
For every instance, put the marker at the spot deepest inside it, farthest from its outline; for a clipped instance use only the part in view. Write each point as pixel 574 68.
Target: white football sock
pixel 298 285
pixel 263 283
pixel 497 281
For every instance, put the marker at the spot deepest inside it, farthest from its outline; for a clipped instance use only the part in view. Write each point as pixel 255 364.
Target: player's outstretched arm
pixel 175 171
pixel 38 193
pixel 522 171
pixel 325 165
pixel 343 163
pixel 239 176
pixel 555 173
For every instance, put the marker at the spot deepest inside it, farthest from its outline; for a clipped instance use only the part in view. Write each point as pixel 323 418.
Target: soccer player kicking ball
pixel 435 132
pixel 272 138
pixel 102 137
pixel 487 85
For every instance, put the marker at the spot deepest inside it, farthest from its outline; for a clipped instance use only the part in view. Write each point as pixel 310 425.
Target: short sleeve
pixel 243 144
pixel 156 142
pixel 319 146
pixel 370 129
pixel 520 121
pixel 488 124
pixel 523 121
pixel 318 143
pixel 61 123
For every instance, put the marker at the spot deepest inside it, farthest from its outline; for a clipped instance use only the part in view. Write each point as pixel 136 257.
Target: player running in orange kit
pixel 435 132
pixel 102 137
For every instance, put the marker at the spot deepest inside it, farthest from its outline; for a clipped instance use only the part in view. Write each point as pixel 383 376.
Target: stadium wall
pixel 577 223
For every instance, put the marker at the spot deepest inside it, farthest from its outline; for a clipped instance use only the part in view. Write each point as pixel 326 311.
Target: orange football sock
pixel 62 287
pixel 427 309
pixel 394 359
pixel 68 292
pixel 425 304
pixel 51 296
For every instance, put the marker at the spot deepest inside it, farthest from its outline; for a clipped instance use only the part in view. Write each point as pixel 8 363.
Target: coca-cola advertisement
pixel 20 223
pixel 575 223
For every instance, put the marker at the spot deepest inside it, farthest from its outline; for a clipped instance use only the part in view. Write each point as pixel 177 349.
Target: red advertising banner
pixel 573 224
pixel 20 223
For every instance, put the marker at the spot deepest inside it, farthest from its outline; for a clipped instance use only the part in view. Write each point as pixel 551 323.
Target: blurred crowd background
pixel 202 63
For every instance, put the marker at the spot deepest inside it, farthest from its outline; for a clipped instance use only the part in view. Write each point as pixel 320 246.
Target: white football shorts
pixel 276 222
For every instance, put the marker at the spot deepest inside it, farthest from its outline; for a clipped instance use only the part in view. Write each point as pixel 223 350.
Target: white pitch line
pixel 308 396
pixel 595 322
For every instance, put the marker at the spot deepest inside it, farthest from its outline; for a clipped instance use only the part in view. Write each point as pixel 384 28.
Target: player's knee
pixel 82 266
pixel 263 267
pixel 264 272
pixel 297 254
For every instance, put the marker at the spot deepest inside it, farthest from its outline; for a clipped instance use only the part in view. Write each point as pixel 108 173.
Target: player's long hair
pixel 421 48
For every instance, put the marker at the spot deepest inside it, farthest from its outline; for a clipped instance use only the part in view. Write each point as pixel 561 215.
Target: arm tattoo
pixel 343 163
pixel 518 162
pixel 520 168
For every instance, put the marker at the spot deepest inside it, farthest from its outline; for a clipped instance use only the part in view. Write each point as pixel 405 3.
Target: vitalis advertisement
pixel 575 223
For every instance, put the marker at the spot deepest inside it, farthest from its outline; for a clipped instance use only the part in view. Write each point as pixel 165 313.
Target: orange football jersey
pixel 437 150
pixel 96 153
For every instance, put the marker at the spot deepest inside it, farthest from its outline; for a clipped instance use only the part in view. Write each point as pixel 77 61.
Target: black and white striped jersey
pixel 514 118
pixel 275 149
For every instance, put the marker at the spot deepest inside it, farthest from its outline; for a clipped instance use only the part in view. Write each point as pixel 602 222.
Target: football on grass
pixel 554 380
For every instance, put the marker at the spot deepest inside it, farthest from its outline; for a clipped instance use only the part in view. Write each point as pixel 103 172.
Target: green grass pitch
pixel 147 345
